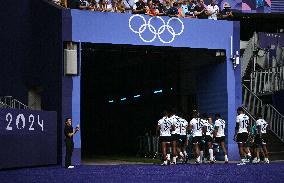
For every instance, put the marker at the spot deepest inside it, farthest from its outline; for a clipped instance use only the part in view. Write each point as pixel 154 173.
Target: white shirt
pixel 221 127
pixel 165 126
pixel 174 120
pixel 208 128
pixel 263 125
pixel 183 126
pixel 214 10
pixel 196 127
pixel 243 121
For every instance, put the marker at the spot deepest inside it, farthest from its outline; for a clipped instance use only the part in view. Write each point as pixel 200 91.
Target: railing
pixel 251 102
pixel 267 81
pixel 10 102
pixel 254 105
pixel 148 146
pixel 275 119
pixel 248 54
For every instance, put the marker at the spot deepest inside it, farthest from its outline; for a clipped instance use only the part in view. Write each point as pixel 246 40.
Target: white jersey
pixel 196 127
pixel 213 10
pixel 208 128
pixel 243 121
pixel 183 124
pixel 165 126
pixel 221 127
pixel 174 120
pixel 263 125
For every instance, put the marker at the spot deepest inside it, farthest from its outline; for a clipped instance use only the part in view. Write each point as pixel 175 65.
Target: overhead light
pixel 158 91
pixel 111 101
pixel 136 96
pixel 122 99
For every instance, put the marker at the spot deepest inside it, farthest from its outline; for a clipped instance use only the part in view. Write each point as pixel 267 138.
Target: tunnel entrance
pixel 125 89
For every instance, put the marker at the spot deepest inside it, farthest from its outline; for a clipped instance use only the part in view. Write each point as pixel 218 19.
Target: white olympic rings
pixel 152 29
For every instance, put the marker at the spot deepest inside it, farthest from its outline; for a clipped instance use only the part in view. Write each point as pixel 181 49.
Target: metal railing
pixel 275 120
pixel 254 105
pixel 10 102
pixel 267 81
pixel 247 57
pixel 148 146
pixel 251 102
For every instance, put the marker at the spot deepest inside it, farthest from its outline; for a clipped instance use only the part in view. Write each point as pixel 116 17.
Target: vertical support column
pixel 234 89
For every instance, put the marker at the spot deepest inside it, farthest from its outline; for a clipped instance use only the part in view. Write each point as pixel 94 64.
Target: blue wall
pixel 27 138
pixel 31 54
pixel 224 95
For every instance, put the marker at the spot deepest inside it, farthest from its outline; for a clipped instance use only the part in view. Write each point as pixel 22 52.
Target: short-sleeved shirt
pixel 214 10
pixel 196 127
pixel 176 122
pixel 221 127
pixel 183 126
pixel 199 9
pixel 165 126
pixel 67 130
pixel 208 128
pixel 173 11
pixel 243 121
pixel 263 125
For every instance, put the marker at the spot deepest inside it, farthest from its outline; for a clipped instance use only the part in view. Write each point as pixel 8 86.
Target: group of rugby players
pixel 175 132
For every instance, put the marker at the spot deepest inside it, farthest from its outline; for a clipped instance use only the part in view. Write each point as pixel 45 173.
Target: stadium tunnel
pixel 125 88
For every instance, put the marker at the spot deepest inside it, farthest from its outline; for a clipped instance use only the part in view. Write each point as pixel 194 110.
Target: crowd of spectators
pixel 172 8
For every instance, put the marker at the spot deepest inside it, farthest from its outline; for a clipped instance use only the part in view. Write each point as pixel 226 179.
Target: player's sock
pixel 201 156
pixel 168 157
pixel 198 159
pixel 226 158
pixel 181 155
pixel 174 160
pixel 211 154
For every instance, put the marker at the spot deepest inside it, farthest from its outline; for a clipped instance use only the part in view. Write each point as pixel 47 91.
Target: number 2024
pixel 21 122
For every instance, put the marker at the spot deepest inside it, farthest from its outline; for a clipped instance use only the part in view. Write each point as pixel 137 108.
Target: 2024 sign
pixel 22 122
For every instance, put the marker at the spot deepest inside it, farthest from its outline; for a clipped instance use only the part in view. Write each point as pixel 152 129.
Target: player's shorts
pixel 165 138
pixel 242 137
pixel 182 139
pixel 261 139
pixel 197 139
pixel 175 137
pixel 208 138
pixel 220 139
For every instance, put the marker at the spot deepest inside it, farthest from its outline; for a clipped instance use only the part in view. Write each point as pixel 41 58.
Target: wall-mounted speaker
pixel 70 62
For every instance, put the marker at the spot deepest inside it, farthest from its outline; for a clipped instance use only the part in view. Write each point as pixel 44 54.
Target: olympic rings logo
pixel 152 29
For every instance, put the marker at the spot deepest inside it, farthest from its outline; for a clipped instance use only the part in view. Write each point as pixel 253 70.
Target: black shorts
pixel 261 139
pixel 220 139
pixel 242 137
pixel 175 137
pixel 182 140
pixel 208 138
pixel 165 139
pixel 197 139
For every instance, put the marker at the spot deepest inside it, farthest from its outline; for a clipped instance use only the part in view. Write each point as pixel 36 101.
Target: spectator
pixel 151 9
pixel 167 6
pixel 191 5
pixel 173 11
pixel 119 6
pixel 139 7
pixel 84 5
pixel 128 4
pixel 226 13
pixel 200 10
pixel 73 4
pixel 212 10
pixel 93 5
pixel 185 8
